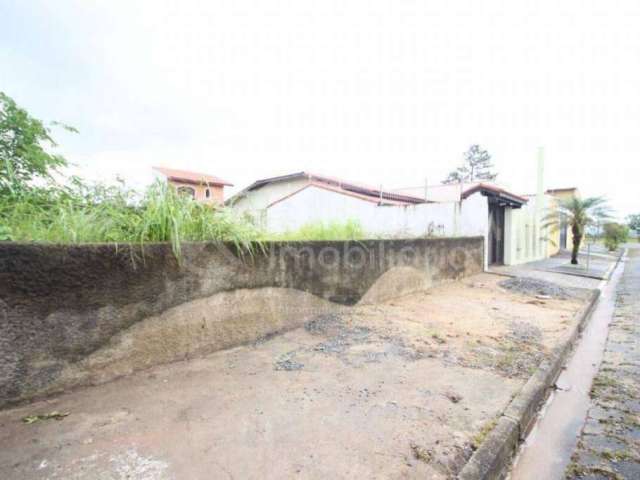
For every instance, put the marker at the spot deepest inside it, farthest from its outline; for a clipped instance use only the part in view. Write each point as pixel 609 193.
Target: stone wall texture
pixel 79 315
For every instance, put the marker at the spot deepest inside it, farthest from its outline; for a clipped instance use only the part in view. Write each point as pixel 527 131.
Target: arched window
pixel 187 191
pixel 207 193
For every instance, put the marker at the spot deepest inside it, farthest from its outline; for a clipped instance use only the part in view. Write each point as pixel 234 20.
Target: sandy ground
pixel 402 389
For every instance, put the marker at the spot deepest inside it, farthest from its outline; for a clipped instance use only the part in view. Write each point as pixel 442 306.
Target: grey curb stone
pixel 492 459
pixel 494 453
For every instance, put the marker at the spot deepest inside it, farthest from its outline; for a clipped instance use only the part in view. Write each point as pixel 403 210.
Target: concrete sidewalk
pixel 594 264
pixel 532 270
pixel 558 269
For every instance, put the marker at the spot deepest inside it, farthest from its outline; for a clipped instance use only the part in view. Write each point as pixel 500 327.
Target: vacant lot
pixel 402 389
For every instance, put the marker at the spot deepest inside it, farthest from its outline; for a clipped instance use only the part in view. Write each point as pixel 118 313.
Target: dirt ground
pixel 403 389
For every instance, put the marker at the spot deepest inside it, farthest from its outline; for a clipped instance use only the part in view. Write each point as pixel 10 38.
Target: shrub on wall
pixel 347 230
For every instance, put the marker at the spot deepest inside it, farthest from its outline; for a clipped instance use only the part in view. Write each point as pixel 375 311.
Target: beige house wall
pixel 553 232
pixel 558 195
pixel 216 192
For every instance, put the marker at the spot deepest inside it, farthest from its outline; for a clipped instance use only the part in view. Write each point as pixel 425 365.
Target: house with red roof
pixel 265 193
pixel 201 186
pixel 510 223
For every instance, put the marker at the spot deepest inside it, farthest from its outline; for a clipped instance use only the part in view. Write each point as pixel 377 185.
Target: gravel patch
pixel 525 332
pixel 340 337
pixel 324 324
pixel 535 287
pixel 516 355
pixel 343 339
pixel 287 363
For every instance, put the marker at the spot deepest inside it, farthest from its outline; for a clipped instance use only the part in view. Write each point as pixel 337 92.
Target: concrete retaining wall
pixel 86 314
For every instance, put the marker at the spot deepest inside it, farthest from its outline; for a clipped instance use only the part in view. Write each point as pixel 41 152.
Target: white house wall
pixel 258 200
pixel 474 216
pixel 312 205
pixel 525 238
pixel 315 204
pixel 473 219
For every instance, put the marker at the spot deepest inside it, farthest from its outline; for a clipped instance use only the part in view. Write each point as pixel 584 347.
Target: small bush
pixel 614 235
pixel 348 230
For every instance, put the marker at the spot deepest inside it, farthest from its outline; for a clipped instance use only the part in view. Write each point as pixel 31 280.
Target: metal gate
pixel 496 233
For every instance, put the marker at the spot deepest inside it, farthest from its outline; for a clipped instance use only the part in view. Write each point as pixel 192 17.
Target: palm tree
pixel 578 214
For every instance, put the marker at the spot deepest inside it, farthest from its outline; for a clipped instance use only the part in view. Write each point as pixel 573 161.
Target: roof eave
pixel 347 186
pixel 514 201
pixel 202 182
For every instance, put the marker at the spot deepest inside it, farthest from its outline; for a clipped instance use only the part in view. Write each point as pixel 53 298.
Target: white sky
pixel 382 92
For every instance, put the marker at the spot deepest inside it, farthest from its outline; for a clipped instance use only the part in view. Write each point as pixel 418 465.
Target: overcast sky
pixel 382 92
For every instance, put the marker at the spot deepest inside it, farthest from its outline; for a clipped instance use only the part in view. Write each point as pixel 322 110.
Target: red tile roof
pixel 191 177
pixel 370 193
pixel 331 188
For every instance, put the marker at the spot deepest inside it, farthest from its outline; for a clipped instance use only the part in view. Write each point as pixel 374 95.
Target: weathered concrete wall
pixel 85 314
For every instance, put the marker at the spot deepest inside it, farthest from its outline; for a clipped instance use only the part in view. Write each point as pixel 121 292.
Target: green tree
pixel 615 234
pixel 476 166
pixel 24 144
pixel 577 214
pixel 634 222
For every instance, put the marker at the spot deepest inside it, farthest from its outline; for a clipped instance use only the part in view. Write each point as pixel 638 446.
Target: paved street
pixel 609 446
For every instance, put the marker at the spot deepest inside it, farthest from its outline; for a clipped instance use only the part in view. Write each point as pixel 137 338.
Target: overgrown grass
pixel 79 213
pixel 347 230
pixel 98 214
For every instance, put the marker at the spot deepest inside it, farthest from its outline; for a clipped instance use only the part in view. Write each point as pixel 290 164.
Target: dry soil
pixel 402 389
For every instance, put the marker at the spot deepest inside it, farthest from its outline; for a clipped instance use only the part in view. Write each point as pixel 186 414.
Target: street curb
pixel 613 267
pixel 576 274
pixel 493 457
